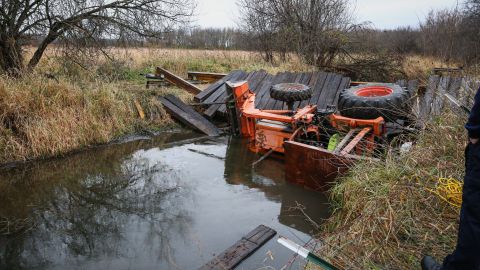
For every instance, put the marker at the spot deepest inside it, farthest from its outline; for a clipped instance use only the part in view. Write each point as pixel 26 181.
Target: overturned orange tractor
pixel 317 145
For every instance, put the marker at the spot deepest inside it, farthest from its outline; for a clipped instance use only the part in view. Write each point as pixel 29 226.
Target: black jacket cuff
pixel 474 134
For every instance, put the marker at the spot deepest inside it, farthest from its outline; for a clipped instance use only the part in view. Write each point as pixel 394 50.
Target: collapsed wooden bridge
pixel 326 90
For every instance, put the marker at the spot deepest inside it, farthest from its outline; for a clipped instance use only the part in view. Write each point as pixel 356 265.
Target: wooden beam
pixel 188 116
pixel 356 140
pixel 141 113
pixel 344 141
pixel 241 250
pixel 205 76
pixel 179 82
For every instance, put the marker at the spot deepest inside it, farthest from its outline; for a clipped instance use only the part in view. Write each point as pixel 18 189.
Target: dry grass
pixel 133 61
pixel 43 118
pixel 419 67
pixel 385 217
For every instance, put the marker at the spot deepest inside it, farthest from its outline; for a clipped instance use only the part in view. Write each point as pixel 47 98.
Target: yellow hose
pixel 449 190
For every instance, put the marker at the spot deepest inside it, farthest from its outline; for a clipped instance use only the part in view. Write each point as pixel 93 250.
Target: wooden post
pixel 232 112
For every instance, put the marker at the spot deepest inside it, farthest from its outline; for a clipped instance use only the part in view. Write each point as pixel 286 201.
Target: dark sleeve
pixel 473 124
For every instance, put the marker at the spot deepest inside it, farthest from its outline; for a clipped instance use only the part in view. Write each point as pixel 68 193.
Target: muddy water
pixel 149 204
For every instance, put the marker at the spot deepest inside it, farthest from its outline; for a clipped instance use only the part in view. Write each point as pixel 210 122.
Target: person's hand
pixel 473 141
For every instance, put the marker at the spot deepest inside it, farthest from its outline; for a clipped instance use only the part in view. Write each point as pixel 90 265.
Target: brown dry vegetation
pixel 385 217
pixel 43 118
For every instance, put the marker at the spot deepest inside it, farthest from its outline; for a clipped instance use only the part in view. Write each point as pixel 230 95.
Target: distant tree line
pixel 202 38
pixel 322 33
pixel 450 35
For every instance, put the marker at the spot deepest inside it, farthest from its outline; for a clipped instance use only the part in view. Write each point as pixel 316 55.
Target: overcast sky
pixel 384 14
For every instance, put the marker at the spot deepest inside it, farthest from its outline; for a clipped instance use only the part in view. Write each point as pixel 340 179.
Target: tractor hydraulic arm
pixel 345 123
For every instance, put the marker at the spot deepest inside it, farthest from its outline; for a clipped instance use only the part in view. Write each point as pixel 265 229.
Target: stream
pixel 151 204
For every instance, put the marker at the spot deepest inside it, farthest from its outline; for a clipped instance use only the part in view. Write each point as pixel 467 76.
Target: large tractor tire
pixel 371 101
pixel 290 92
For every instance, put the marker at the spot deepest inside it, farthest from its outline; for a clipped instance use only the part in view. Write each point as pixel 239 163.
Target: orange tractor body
pixel 299 135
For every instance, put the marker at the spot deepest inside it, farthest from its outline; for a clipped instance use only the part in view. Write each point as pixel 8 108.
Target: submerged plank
pixel 188 116
pixel 241 250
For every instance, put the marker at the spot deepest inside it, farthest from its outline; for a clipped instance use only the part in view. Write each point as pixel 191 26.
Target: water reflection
pixel 140 205
pixel 269 176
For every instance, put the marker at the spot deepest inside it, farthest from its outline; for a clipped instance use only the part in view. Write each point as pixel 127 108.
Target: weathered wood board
pixel 175 80
pixel 188 115
pixel 241 250
pixel 326 89
pixel 205 76
pixel 432 102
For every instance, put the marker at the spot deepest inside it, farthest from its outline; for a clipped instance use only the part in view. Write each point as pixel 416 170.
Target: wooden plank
pixel 355 141
pixel 412 87
pixel 253 84
pixel 322 80
pixel 205 76
pixel 312 84
pixel 402 83
pixel 140 111
pixel 215 97
pixel 184 114
pixel 454 87
pixel 439 95
pixel 212 88
pixel 343 85
pixel 241 250
pixel 181 83
pixel 329 91
pixel 218 92
pixel 210 112
pixel 426 100
pixel 264 88
pixel 263 104
pixel 344 140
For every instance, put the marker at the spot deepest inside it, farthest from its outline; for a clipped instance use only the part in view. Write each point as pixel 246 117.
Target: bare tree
pixel 314 29
pixel 470 31
pixel 82 20
pixel 262 24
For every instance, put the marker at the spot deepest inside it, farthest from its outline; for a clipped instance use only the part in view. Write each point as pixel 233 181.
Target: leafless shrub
pixel 315 30
pixel 373 67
